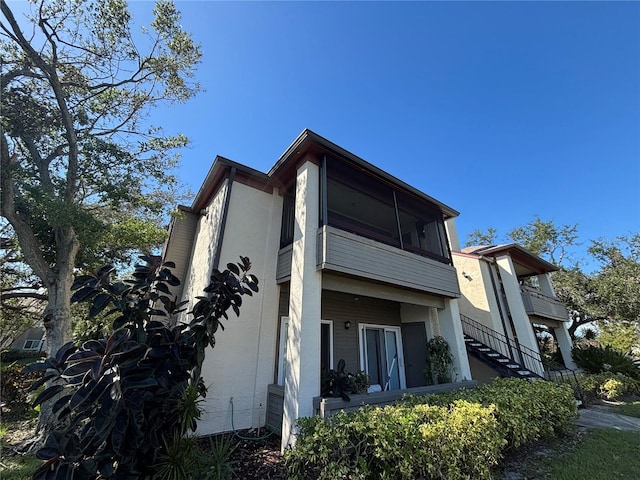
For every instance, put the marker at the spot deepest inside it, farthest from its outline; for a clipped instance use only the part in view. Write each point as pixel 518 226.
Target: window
pixel 32 344
pixel 362 204
pixel 382 357
pixel 326 345
pixel 282 350
pixel 288 218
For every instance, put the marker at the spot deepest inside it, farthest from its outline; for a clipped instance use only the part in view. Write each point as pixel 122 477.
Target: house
pixel 353 264
pixel 31 339
pixel 506 290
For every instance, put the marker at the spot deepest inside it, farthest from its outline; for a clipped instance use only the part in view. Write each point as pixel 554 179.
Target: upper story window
pixel 362 204
pixel 288 217
pixel 357 202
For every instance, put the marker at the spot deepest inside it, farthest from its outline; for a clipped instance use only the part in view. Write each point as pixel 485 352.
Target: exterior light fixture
pixel 347 325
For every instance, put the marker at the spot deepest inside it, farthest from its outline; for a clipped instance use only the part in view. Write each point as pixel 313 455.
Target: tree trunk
pixel 57 314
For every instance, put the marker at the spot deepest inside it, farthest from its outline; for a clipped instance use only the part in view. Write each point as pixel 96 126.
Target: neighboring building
pixel 353 264
pixel 31 339
pixel 505 291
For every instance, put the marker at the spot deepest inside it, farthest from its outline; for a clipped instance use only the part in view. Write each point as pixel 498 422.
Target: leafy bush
pixel 126 402
pixel 457 434
pixel 14 388
pixel 596 359
pixel 608 385
pixel 8 356
pixel 526 411
pixel 439 361
pixel 397 442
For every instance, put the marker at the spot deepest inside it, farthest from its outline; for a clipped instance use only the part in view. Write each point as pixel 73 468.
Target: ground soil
pixel 259 459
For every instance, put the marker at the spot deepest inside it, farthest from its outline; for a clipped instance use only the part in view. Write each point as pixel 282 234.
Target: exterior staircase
pixel 507 367
pixel 499 352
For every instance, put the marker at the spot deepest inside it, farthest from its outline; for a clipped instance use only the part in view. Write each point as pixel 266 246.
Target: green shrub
pixel 14 388
pixel 398 442
pixel 8 356
pixel 526 411
pixel 457 434
pixel 608 385
pixel 605 359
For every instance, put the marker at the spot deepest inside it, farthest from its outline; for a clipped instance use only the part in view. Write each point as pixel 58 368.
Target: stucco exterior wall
pixel 204 246
pixel 474 301
pixel 240 366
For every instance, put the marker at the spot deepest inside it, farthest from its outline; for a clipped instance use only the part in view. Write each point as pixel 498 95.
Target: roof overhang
pixel 309 142
pixel 526 263
pixel 307 145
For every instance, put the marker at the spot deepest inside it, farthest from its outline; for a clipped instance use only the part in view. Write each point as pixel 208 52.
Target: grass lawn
pixel 19 467
pixel 13 466
pixel 632 409
pixel 603 454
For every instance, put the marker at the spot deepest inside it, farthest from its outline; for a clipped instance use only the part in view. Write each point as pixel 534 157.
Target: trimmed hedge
pixel 455 435
pixel 8 356
pixel 526 411
pixel 608 386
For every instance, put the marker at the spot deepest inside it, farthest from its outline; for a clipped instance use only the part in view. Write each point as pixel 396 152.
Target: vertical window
pixel 382 357
pixel 288 218
pixel 326 345
pixel 282 350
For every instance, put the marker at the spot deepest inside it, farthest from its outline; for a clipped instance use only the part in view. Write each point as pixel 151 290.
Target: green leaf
pixel 48 393
pixel 100 302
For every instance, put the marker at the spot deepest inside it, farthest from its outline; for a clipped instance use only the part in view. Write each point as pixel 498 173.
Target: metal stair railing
pixel 527 357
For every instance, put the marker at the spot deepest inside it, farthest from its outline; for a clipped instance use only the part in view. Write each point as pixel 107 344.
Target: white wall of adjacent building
pixel 240 366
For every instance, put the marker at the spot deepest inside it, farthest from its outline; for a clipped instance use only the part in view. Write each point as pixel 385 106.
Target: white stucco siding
pixel 474 301
pixel 242 363
pixel 451 331
pixel 521 323
pixel 452 234
pixel 204 247
pixel 478 300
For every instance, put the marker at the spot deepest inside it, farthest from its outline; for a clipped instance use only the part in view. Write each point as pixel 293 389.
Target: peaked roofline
pixel 517 252
pixel 306 141
pixel 308 138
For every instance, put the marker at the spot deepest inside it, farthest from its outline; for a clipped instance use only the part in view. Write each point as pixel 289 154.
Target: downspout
pixel 223 219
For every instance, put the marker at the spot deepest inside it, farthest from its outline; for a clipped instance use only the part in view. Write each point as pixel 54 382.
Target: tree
pixel 84 177
pixel 480 237
pixel 546 239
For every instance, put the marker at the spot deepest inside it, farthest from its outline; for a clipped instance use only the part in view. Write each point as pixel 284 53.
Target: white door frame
pixel 363 349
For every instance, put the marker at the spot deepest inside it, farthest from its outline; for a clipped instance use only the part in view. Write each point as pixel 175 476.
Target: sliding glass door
pixel 381 356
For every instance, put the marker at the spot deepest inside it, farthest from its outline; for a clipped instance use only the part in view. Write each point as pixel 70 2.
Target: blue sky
pixel 502 110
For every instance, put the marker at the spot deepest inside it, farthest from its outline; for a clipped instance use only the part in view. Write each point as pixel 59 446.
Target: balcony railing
pixel 537 303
